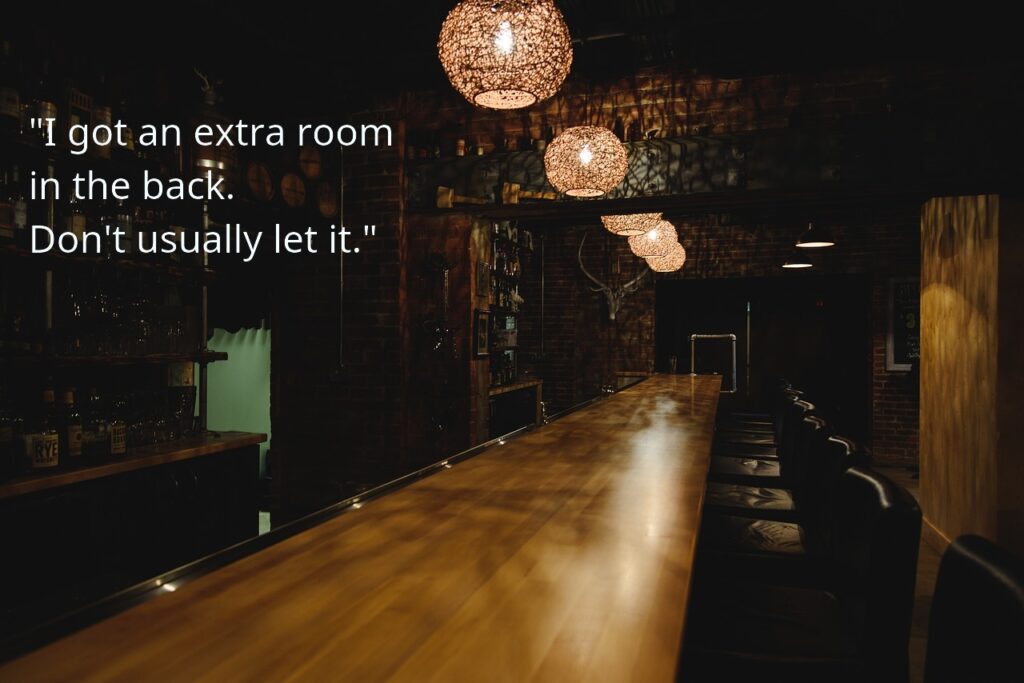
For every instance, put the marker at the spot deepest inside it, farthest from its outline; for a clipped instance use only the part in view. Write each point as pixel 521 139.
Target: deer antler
pixel 601 287
pixel 634 284
pixel 203 78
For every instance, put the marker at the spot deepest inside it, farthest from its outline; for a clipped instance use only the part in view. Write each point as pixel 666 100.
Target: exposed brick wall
pixel 583 349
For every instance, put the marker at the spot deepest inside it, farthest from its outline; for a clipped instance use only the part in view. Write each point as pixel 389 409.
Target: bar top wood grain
pixel 563 555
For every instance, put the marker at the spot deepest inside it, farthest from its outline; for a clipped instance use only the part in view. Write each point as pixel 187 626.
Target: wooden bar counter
pixel 563 555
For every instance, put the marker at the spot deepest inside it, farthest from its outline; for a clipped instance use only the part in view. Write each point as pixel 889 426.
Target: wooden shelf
pixel 141 458
pixel 144 359
pixel 693 204
pixel 515 386
pixel 119 262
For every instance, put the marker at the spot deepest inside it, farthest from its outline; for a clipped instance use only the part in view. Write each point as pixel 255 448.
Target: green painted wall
pixel 240 387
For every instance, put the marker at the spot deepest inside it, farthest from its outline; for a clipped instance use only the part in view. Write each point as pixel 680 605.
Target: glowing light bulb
pixel 504 41
pixel 586 156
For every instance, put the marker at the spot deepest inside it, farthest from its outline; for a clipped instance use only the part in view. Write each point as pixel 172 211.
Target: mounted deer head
pixel 614 295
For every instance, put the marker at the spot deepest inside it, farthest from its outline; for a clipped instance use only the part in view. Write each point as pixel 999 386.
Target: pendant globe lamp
pixel 630 223
pixel 670 262
pixel 658 241
pixel 505 54
pixel 815 238
pixel 586 161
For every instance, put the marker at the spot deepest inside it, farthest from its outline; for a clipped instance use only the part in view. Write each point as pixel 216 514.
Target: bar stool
pixel 976 628
pixel 766 447
pixel 762 469
pixel 759 422
pixel 735 525
pixel 854 629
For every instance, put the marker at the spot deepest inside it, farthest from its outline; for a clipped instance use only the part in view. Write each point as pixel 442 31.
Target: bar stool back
pixel 976 628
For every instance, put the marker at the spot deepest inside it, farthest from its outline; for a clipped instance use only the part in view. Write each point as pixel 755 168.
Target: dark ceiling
pixel 302 54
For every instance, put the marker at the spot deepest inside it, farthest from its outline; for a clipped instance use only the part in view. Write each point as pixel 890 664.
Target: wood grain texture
pixel 564 555
pixel 141 458
pixel 972 370
pixel 959 372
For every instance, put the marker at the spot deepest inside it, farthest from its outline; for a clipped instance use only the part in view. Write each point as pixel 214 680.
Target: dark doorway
pixel 811 330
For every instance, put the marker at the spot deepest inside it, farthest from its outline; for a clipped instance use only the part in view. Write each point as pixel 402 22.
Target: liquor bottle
pixel 10 92
pixel 118 429
pixel 20 207
pixel 71 431
pixel 77 106
pixel 123 219
pixel 6 209
pixel 95 432
pixel 42 440
pixel 8 436
pixel 102 113
pixel 44 104
pixel 74 216
pixel 105 214
pixel 129 150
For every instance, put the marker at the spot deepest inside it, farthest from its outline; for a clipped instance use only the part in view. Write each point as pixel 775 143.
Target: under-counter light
pixel 815 238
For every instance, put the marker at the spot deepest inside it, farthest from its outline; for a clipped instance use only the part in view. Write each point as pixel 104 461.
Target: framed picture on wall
pixel 903 338
pixel 481 333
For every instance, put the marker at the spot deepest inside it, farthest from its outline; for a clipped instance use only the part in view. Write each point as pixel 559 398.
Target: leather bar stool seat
pixel 757 499
pixel 750 535
pixel 743 538
pixel 764 471
pixel 746 470
pixel 772 502
pixel 976 627
pixel 856 627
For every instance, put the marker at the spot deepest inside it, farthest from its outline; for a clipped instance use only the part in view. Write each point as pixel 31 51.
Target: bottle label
pixel 45 450
pixel 45 110
pixel 10 103
pixel 76 225
pixel 118 438
pixel 74 441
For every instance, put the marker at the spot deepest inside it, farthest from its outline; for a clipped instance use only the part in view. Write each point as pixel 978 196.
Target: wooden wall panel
pixel 972 370
pixel 959 365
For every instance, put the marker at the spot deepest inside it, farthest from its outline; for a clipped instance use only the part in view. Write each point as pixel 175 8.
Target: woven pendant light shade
pixel 586 161
pixel 505 54
pixel 670 262
pixel 658 241
pixel 631 223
